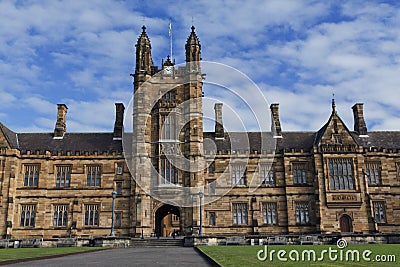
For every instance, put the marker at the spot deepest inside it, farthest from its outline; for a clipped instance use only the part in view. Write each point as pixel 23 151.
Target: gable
pixel 7 137
pixel 335 131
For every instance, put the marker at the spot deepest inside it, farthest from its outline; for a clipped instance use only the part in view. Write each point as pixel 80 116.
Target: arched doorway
pixel 167 221
pixel 345 224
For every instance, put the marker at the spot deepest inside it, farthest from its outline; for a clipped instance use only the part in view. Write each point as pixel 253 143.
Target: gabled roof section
pixel 334 131
pixel 8 138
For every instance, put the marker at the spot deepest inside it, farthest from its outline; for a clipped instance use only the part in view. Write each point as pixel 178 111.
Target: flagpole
pixel 170 37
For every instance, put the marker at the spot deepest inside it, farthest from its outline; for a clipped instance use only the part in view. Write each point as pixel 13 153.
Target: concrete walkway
pixel 153 256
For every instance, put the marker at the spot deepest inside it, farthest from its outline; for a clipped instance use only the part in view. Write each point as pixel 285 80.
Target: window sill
pixel 268 185
pixel 304 224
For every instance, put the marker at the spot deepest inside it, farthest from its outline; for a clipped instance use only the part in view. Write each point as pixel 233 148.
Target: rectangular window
pixel 211 168
pixel 341 174
pixel 92 215
pixel 120 168
pixel 211 187
pixel 168 97
pixel 302 212
pixel 379 211
pixel 267 174
pixel 63 176
pixel 28 214
pixel 118 188
pixel 211 217
pixel 270 213
pixel 238 172
pixel 60 216
pixel 169 172
pixel 118 218
pixel 373 172
pixel 299 173
pixel 93 175
pixel 239 213
pixel 31 175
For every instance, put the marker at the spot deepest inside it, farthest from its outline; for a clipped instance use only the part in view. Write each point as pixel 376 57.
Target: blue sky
pixel 298 52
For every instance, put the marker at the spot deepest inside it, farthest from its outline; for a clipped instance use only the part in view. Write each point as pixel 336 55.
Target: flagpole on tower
pixel 170 37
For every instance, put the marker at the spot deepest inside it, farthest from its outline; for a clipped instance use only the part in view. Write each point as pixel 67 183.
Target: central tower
pixel 167 144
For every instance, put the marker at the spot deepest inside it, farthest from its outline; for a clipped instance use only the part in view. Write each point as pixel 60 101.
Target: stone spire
pixel 333 104
pixel 193 48
pixel 144 61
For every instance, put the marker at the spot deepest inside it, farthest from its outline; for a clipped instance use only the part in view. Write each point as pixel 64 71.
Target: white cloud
pixel 299 52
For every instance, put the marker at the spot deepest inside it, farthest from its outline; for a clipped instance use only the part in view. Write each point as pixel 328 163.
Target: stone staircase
pixel 157 242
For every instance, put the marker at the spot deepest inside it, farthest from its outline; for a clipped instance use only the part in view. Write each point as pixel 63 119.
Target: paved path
pixel 157 256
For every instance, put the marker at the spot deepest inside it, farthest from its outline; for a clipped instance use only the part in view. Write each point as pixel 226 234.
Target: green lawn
pixel 247 255
pixel 21 253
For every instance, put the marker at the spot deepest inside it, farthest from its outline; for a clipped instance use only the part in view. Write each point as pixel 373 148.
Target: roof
pixel 72 142
pixel 257 141
pixel 239 141
pixel 381 139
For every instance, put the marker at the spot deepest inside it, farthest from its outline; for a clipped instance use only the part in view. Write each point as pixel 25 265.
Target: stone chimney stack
pixel 219 126
pixel 359 123
pixel 61 124
pixel 275 122
pixel 119 121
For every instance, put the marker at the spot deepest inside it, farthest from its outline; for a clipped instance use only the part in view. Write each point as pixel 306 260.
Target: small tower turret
pixel 144 61
pixel 193 48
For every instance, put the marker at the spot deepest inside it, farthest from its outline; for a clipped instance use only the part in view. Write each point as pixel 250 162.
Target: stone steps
pixel 154 242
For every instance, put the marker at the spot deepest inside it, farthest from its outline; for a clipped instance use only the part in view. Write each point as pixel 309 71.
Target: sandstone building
pixel 331 180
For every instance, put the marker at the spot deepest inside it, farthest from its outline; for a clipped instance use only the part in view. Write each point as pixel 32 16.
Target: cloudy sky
pixel 298 52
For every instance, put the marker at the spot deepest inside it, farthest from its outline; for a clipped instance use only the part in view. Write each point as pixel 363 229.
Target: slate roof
pixel 72 142
pixel 102 142
pixel 381 139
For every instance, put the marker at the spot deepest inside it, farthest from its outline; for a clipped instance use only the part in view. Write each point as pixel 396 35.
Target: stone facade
pixel 332 180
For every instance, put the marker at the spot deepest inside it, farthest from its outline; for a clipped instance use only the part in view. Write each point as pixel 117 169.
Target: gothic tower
pixel 167 119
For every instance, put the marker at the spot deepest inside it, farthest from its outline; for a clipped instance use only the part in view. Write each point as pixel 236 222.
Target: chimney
pixel 61 124
pixel 219 126
pixel 359 124
pixel 275 123
pixel 119 121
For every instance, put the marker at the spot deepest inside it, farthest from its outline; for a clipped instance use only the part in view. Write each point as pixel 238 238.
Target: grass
pixel 247 255
pixel 23 253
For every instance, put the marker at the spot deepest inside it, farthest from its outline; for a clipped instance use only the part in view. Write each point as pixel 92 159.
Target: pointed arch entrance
pixel 346 225
pixel 167 220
